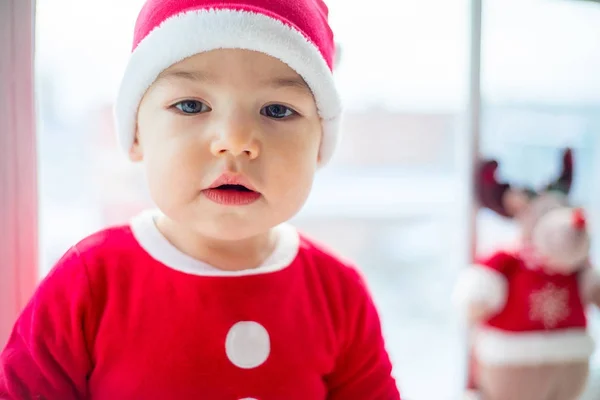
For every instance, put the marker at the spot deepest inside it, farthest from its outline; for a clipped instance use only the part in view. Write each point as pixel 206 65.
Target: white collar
pixel 154 243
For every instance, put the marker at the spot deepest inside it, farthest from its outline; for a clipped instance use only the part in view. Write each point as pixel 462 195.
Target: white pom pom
pixel 480 286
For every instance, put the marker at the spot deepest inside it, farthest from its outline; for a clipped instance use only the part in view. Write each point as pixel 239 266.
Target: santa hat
pixel 294 31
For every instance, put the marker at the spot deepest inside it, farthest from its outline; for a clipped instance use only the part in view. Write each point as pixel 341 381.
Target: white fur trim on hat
pixel 199 31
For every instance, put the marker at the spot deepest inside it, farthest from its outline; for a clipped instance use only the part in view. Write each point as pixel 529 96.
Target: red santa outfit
pixel 551 327
pixel 125 315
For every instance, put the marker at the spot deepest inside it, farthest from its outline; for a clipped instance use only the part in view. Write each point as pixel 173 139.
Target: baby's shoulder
pixel 109 257
pixel 82 268
pixel 329 265
pixel 111 242
pixel 109 253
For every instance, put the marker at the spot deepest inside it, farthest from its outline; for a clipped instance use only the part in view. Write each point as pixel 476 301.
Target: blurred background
pixel 395 199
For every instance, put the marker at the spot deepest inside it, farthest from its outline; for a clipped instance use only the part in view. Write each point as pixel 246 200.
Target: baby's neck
pixel 226 255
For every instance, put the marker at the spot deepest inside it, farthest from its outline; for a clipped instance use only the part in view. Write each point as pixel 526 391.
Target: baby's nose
pixel 578 219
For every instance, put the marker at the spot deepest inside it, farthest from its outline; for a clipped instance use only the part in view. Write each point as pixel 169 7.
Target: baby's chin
pixel 232 234
pixel 225 223
pixel 232 228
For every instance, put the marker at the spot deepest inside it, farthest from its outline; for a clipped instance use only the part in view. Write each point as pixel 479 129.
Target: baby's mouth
pixel 234 188
pixel 232 195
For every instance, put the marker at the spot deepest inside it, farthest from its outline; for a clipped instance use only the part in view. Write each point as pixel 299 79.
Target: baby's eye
pixel 277 111
pixel 191 107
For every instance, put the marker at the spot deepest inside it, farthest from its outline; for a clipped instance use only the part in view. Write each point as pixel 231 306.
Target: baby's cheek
pixel 159 184
pixel 291 185
pixel 170 180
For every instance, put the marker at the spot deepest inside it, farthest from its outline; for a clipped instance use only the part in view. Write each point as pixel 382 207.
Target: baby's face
pixel 233 112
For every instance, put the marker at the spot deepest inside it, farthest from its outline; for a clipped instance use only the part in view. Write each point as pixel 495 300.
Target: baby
pixel 231 107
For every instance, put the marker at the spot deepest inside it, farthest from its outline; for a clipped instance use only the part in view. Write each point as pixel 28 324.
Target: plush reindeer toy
pixel 528 304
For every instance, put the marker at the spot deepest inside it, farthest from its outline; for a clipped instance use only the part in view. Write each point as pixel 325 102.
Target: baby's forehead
pixel 217 66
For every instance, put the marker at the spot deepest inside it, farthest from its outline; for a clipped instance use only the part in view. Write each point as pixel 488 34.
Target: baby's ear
pixel 135 152
pixel 319 154
pixel 338 56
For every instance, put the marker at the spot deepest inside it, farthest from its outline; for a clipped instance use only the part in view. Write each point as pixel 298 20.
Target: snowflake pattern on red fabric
pixel 549 305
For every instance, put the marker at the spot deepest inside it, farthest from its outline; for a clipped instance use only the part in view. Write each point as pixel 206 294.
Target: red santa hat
pixel 294 31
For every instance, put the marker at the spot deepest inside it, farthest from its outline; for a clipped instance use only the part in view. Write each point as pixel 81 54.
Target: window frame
pixel 18 161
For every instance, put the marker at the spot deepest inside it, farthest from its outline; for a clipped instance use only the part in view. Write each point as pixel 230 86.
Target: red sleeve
pixel 47 355
pixel 501 262
pixel 363 370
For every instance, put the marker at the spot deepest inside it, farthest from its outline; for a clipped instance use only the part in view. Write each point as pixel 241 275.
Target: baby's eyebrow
pixel 189 75
pixel 276 83
pixel 282 82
